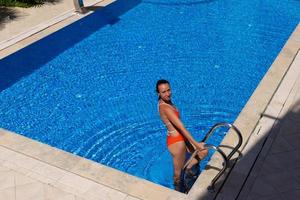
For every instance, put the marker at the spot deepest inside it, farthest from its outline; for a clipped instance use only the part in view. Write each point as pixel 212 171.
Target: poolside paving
pixel 19 185
pixel 25 178
pixel 269 168
pixel 276 173
pixel 19 21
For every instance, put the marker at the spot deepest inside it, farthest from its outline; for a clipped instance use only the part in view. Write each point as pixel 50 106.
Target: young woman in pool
pixel 179 140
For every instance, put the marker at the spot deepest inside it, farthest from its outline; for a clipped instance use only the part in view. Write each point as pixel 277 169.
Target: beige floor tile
pixel 67 188
pixel 79 198
pixel 40 178
pixel 49 171
pixel 89 169
pixel 34 148
pixel 27 18
pixel 2 133
pixel 66 197
pixel 32 191
pixel 7 179
pixel 61 159
pixel 21 179
pixel 131 198
pixel 16 168
pixel 80 184
pixel 5 153
pixel 8 194
pixel 52 193
pixel 2 168
pixel 13 140
pixel 99 192
pixel 23 161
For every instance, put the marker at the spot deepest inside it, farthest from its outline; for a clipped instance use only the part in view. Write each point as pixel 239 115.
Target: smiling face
pixel 164 92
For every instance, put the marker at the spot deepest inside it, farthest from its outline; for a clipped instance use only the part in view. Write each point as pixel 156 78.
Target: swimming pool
pixel 92 92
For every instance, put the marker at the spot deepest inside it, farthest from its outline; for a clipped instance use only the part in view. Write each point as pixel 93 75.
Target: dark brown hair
pixel 159 82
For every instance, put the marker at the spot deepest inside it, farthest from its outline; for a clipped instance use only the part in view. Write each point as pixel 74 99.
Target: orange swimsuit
pixel 177 138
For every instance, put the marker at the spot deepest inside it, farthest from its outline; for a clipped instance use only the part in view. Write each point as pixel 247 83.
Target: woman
pixel 179 140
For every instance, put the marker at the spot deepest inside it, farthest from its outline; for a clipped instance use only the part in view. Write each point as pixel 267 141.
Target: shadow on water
pixel 177 2
pixel 25 61
pixel 276 159
pixel 7 14
pixel 92 8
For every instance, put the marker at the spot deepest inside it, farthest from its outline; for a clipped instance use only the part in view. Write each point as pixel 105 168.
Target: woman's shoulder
pixel 165 106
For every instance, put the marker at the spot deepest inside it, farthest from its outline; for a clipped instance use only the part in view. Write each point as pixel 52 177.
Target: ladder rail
pixel 228 125
pixel 221 152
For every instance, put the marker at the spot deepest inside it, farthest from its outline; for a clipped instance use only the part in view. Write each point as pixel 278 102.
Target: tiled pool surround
pixel 270 119
pixel 119 182
pixel 37 32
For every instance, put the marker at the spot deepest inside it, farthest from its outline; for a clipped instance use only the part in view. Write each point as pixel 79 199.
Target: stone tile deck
pixel 26 178
pixel 270 163
pixel 276 172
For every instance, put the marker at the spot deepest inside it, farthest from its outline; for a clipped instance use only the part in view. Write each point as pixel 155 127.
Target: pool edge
pixel 39 31
pixel 87 169
pixel 251 122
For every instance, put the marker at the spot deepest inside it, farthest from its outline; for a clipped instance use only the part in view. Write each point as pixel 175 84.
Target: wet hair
pixel 159 82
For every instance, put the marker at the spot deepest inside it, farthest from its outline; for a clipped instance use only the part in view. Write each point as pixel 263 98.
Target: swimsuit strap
pixel 170 132
pixel 169 123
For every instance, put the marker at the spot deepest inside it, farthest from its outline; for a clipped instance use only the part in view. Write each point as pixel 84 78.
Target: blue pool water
pixel 89 88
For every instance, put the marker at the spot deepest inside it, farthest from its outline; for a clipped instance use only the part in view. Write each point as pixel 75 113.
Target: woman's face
pixel 164 91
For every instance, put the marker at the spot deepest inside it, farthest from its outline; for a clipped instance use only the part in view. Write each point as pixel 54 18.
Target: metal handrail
pixel 228 125
pixel 225 158
pixel 207 146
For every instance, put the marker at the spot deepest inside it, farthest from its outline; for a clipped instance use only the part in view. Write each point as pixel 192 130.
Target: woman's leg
pixel 177 151
pixel 192 170
pixel 201 154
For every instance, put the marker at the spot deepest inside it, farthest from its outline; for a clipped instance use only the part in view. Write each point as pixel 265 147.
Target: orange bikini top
pixel 177 113
pixel 168 123
pixel 173 108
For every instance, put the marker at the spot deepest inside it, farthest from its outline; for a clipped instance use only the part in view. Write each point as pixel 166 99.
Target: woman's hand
pixel 202 151
pixel 200 145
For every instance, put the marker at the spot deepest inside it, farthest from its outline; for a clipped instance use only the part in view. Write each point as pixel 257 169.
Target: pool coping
pixel 247 122
pixel 259 116
pixel 39 31
pixel 273 95
pixel 38 28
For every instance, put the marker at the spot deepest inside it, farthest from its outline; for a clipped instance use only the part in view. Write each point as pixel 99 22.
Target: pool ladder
pixel 226 159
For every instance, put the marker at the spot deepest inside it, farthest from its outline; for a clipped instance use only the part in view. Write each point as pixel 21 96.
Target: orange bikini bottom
pixel 174 139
